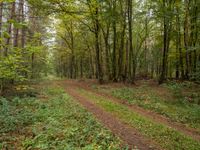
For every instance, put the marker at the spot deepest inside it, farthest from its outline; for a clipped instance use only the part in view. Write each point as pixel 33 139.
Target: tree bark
pixel 164 58
pixel 1 19
pixel 186 39
pixel 178 46
pixel 99 69
pixel 114 65
pixel 121 73
pixel 9 29
pixel 23 31
pixel 131 58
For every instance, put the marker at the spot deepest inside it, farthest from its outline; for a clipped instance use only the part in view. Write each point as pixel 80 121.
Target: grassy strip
pixel 167 137
pixel 53 122
pixel 178 110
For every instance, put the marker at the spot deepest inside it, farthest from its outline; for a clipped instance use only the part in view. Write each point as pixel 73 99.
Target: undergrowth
pixel 177 108
pixel 167 137
pixel 54 122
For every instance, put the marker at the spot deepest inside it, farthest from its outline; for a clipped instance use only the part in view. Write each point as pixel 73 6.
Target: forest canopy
pixel 108 40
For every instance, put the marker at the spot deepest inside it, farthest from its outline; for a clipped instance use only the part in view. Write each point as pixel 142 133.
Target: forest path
pixel 129 135
pixel 149 114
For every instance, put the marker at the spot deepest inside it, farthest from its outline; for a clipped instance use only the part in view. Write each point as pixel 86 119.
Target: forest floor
pixel 81 114
pixel 139 125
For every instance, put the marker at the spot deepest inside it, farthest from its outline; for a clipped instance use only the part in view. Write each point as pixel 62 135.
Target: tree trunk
pixel 121 49
pixel 131 58
pixel 114 65
pixel 16 29
pixel 106 37
pixel 1 19
pixel 9 29
pixel 98 63
pixel 23 31
pixel 186 39
pixel 81 67
pixel 179 64
pixel 164 58
pixel 146 48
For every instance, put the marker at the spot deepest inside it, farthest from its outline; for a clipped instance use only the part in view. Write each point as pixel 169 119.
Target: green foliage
pixel 175 88
pixel 167 137
pixel 13 66
pixel 176 108
pixel 18 66
pixel 55 122
pixel 12 116
pixel 196 75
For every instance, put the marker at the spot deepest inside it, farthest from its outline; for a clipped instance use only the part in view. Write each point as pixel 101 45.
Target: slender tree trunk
pixel 114 64
pixel 16 29
pixel 126 62
pixel 164 58
pixel 106 37
pixel 81 67
pixel 32 64
pixel 1 19
pixel 121 49
pixel 91 75
pixel 99 69
pixel 194 31
pixel 177 53
pixel 23 31
pixel 179 43
pixel 9 30
pixel 146 48
pixel 131 58
pixel 72 50
pixel 186 39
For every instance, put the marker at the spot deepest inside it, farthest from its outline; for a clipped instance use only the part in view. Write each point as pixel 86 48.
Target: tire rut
pixel 149 114
pixel 128 134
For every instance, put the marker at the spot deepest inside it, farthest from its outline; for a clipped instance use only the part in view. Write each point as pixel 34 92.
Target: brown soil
pixel 149 114
pixel 128 134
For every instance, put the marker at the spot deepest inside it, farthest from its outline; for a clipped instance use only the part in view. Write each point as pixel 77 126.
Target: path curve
pixel 147 113
pixel 128 134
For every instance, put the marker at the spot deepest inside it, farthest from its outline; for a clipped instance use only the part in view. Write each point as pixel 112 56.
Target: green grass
pixel 167 137
pixel 175 107
pixel 53 122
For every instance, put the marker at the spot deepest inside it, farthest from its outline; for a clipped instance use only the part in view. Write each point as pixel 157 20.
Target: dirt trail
pixel 128 134
pixel 149 114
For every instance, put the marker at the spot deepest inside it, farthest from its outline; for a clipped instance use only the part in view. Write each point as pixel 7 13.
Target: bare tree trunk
pixel 126 62
pixel 32 64
pixel 179 43
pixel 9 30
pixel 164 58
pixel 177 52
pixel 131 58
pixel 16 29
pixel 121 49
pixel 194 31
pixel 99 69
pixel 1 19
pixel 114 65
pixel 186 39
pixel 23 31
pixel 106 37
pixel 81 67
pixel 146 48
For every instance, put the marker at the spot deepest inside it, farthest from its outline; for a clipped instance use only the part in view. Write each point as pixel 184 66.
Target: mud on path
pixel 149 114
pixel 128 135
